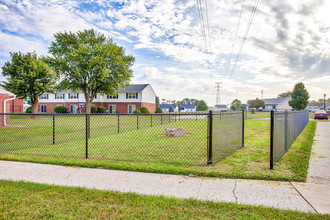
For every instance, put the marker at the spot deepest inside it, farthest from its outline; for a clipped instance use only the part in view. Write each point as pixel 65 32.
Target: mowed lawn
pixel 21 200
pixel 144 149
pixel 139 138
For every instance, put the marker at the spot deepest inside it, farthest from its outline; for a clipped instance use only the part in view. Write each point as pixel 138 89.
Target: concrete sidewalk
pixel 312 196
pixel 283 195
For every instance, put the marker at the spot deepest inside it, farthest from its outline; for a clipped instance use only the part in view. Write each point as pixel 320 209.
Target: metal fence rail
pixel 285 128
pixel 118 137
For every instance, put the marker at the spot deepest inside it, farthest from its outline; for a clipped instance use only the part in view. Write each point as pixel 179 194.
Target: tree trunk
pixel 88 102
pixel 88 106
pixel 35 106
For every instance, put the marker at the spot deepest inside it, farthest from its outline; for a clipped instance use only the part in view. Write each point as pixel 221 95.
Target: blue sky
pixel 288 42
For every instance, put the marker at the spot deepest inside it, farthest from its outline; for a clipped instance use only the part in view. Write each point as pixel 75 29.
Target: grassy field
pixel 258 115
pixel 136 139
pixel 21 200
pixel 143 149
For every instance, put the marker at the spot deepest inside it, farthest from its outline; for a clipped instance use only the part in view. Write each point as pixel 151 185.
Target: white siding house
pixel 166 107
pixel 277 104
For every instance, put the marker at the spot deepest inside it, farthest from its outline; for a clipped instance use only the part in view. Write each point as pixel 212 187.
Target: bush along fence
pixel 193 139
pixel 285 128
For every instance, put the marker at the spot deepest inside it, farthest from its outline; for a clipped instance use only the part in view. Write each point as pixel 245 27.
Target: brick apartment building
pixel 126 101
pixel 12 105
pixel 9 105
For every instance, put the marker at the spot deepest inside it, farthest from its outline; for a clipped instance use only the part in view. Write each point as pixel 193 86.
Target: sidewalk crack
pixel 234 193
pixel 71 174
pixel 199 189
pixel 303 197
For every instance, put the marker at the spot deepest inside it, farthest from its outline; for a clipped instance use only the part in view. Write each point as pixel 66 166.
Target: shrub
pixel 137 111
pixel 28 110
pixel 171 109
pixel 101 109
pixel 144 110
pixel 59 109
pixel 93 109
pixel 159 110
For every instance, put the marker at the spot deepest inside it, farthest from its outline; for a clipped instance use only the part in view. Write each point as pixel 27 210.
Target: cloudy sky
pixel 287 42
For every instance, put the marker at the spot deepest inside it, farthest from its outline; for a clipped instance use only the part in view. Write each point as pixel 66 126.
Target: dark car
pixel 321 114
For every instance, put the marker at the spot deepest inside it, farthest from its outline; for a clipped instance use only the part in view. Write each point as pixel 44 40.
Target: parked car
pixel 321 114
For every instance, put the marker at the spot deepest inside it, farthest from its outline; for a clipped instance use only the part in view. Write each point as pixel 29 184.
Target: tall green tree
pixel 90 63
pixel 236 105
pixel 299 97
pixel 178 103
pixel 201 106
pixel 256 103
pixel 284 94
pixel 28 77
pixel 157 102
pixel 171 109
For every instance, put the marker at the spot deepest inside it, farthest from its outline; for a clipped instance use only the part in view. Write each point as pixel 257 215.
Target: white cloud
pixel 288 41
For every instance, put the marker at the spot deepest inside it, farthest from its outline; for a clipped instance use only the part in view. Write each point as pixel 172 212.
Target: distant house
pixel 220 108
pixel 277 104
pixel 312 107
pixel 188 108
pixel 127 100
pixel 166 107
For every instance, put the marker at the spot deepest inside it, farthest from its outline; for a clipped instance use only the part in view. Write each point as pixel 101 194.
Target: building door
pixel 112 109
pixel 43 108
pixel 73 109
pixel 131 108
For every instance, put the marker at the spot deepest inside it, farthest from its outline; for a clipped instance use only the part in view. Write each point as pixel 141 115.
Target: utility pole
pixel 262 94
pixel 324 102
pixel 218 90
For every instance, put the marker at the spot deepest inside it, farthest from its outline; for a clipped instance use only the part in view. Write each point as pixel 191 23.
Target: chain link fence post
pixel 53 129
pixel 210 125
pixel 118 123
pixel 271 139
pixel 137 121
pixel 87 133
pixel 243 128
pixel 286 130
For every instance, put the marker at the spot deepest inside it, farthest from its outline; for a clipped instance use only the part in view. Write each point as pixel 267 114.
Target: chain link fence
pixel 160 138
pixel 227 133
pixel 285 128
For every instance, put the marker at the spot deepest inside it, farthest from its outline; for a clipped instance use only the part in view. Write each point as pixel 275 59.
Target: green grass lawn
pixel 145 150
pixel 258 115
pixel 21 200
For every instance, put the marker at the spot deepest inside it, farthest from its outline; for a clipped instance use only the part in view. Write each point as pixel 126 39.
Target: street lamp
pixel 324 102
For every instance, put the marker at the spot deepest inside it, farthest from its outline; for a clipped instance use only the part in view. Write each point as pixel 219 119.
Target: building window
pixel 131 95
pixel 112 96
pixel 112 109
pixel 43 108
pixel 60 96
pixel 73 95
pixel 131 108
pixel 43 96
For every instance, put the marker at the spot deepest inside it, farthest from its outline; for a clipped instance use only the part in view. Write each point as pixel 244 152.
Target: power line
pixel 205 36
pixel 245 36
pixel 236 32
